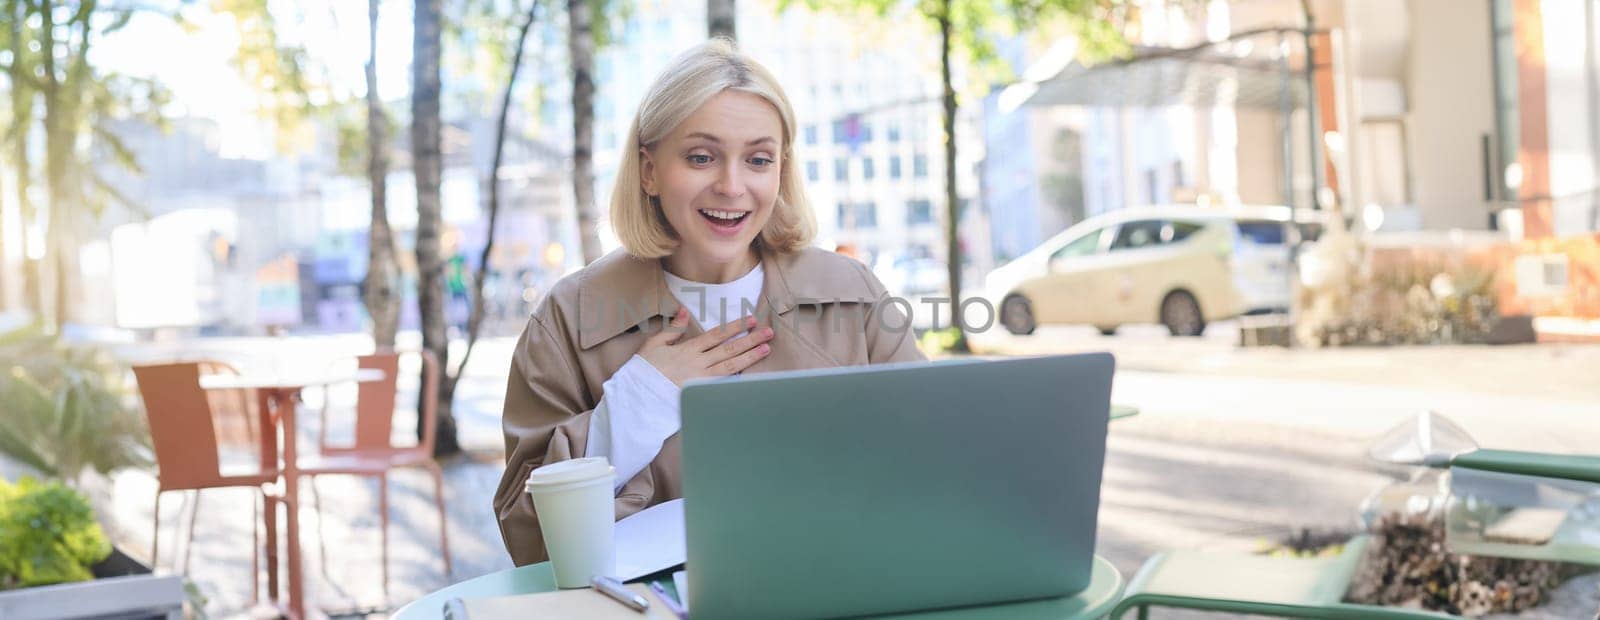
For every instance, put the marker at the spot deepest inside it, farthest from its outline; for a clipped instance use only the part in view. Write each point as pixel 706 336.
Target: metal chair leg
pixel 255 549
pixel 322 544
pixel 438 498
pixel 155 533
pixel 188 546
pixel 383 509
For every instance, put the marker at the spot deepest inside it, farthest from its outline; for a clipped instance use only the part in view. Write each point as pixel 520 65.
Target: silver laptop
pixel 893 488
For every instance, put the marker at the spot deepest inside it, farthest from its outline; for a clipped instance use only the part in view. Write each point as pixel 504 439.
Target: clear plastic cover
pixel 1425 492
pixel 1529 517
pixel 1428 439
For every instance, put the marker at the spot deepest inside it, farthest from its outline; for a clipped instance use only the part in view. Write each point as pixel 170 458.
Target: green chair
pixel 1244 583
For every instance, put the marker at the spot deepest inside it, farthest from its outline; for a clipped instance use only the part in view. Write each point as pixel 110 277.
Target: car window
pixel 1139 234
pixel 1082 246
pixel 1310 231
pixel 1175 232
pixel 1262 232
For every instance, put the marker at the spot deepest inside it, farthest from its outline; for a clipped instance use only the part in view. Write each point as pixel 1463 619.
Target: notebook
pixel 575 603
pixel 650 541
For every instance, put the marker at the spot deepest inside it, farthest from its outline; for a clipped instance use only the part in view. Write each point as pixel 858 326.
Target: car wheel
pixel 1107 330
pixel 1181 314
pixel 1016 314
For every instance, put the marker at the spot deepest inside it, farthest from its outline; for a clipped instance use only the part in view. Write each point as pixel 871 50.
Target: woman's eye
pixel 761 161
pixel 699 160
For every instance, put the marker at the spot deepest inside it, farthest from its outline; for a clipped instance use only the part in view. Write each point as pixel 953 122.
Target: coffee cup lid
pixel 574 470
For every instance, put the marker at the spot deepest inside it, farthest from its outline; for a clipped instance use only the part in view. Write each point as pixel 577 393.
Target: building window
pixel 894 166
pixel 811 134
pixel 852 131
pixel 919 212
pixel 866 168
pixel 858 215
pixel 894 132
pixel 919 166
pixel 841 169
pixel 867 215
pixel 813 172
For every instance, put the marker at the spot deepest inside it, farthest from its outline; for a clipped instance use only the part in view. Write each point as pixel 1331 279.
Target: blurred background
pixel 1296 222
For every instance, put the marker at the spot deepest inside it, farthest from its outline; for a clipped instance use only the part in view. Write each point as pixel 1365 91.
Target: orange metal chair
pixel 373 452
pixel 187 426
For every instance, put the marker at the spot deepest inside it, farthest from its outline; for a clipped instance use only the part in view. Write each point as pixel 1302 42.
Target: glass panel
pixel 1086 245
pixel 1262 232
pixel 1135 235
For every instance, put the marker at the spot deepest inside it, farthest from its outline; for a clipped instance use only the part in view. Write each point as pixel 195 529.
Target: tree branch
pixel 475 319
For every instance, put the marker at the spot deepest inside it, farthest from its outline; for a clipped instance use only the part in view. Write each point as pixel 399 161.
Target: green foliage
pixel 977 24
pixel 66 409
pixel 480 37
pixel 64 86
pixel 938 342
pixel 48 535
pixel 280 73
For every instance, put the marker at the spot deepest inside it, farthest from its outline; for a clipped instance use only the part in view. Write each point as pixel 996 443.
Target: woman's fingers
pixel 719 334
pixel 733 348
pixel 741 361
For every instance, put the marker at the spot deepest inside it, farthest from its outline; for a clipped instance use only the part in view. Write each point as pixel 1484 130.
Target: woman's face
pixel 716 176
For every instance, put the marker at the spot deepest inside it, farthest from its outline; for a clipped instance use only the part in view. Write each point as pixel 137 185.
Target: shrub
pixel 1395 296
pixel 47 535
pixel 67 408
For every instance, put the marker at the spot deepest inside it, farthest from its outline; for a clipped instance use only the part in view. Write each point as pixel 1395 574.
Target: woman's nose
pixel 728 183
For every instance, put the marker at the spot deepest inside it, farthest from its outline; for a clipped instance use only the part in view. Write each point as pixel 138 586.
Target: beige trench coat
pixel 826 311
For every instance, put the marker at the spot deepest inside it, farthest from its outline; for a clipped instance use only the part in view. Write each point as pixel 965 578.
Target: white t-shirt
pixel 639 406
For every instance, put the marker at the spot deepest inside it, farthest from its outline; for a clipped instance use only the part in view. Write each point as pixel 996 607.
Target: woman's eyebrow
pixel 708 137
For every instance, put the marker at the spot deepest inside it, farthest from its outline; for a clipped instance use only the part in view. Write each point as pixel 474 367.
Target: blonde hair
pixel 691 80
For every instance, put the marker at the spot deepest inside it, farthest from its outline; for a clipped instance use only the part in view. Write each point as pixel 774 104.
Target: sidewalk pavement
pixel 1273 444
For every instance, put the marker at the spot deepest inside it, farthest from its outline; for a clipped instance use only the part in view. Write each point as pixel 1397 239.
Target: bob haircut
pixel 692 79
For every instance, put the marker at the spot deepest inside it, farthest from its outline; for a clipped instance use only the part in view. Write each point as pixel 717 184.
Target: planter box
pixel 124 590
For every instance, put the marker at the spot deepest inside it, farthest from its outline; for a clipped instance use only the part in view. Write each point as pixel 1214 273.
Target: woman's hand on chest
pixel 711 354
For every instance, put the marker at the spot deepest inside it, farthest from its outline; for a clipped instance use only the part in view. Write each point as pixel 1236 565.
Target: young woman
pixel 716 277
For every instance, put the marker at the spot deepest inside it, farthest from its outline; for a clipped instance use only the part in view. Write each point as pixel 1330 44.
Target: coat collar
pixel 620 291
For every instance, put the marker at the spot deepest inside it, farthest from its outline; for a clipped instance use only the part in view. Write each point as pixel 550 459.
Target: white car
pixel 1180 266
pixel 918 281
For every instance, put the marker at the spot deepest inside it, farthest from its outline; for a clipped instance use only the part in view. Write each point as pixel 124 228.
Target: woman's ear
pixel 647 172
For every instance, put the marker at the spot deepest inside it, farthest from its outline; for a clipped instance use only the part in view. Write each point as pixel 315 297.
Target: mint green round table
pixel 1105 587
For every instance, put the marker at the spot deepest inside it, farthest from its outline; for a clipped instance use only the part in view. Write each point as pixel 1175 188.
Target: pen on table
pixel 614 589
pixel 666 599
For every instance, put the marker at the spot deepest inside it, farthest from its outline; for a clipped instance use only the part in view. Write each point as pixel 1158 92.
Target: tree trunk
pixel 475 319
pixel 22 126
pixel 383 274
pixel 580 46
pixel 5 271
pixel 951 197
pixel 426 163
pixel 720 18
pixel 1591 74
pixel 57 156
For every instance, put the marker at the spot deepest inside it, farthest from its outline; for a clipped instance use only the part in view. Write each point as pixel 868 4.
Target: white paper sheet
pixel 651 540
pixel 680 580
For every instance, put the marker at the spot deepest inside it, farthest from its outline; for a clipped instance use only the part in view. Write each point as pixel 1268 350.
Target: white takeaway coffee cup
pixel 576 517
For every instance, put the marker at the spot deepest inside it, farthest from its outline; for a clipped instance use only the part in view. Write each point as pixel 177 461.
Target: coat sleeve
pixel 545 420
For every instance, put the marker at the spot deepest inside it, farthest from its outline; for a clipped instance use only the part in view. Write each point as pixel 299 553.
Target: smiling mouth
pixel 724 218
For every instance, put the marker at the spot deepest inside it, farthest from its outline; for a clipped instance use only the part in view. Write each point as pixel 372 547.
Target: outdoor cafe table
pixel 1096 600
pixel 277 395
